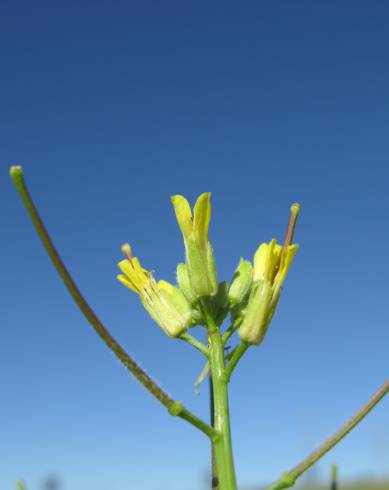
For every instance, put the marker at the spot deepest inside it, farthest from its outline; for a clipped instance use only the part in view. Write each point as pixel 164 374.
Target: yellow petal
pixel 266 261
pixel 290 252
pixel 260 260
pixel 202 216
pixel 183 214
pixel 125 266
pixel 275 251
pixel 134 273
pixel 124 280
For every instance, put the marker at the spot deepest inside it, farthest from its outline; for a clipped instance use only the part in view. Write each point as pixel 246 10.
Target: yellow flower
pixel 200 261
pixel 272 262
pixel 271 265
pixel 165 303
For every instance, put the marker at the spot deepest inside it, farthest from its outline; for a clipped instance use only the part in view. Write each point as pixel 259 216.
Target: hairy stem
pixel 288 479
pixel 174 407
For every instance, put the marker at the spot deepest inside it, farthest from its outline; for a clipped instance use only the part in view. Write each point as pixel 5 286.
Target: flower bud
pixel 241 283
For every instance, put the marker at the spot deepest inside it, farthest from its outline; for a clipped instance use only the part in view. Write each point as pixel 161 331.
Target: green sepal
pixel 211 269
pixel 201 268
pixel 258 313
pixel 184 283
pixel 168 306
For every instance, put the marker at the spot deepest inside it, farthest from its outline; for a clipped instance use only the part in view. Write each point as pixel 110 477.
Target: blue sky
pixel 111 107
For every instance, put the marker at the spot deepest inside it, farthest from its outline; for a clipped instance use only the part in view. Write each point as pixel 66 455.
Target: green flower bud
pixel 241 283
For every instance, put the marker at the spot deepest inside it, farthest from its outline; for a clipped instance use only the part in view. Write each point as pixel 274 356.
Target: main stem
pixel 222 444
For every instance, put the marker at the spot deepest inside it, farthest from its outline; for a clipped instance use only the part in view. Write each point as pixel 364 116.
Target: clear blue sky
pixel 111 107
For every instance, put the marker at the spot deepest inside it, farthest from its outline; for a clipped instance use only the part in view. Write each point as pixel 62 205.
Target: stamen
pixel 294 212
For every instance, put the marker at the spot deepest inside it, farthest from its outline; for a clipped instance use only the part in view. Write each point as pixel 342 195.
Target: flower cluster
pixel 251 297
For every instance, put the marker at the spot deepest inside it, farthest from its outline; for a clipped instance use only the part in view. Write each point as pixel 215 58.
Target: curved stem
pixel 175 408
pixel 288 479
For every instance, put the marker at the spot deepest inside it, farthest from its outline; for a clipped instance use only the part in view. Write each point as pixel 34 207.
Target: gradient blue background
pixel 111 107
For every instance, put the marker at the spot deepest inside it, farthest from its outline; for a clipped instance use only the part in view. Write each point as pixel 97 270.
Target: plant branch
pixel 235 358
pixel 230 331
pixel 174 407
pixel 289 478
pixel 196 343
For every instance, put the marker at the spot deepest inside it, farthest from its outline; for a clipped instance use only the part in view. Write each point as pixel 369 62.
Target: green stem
pixel 222 445
pixel 206 370
pixel 196 343
pixel 235 358
pixel 214 478
pixel 229 332
pixel 174 407
pixel 288 479
pixel 334 477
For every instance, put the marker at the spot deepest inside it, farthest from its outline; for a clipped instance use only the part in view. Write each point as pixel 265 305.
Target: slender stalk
pixel 228 334
pixel 230 331
pixel 288 479
pixel 235 358
pixel 204 373
pixel 222 445
pixel 196 343
pixel 174 407
pixel 214 479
